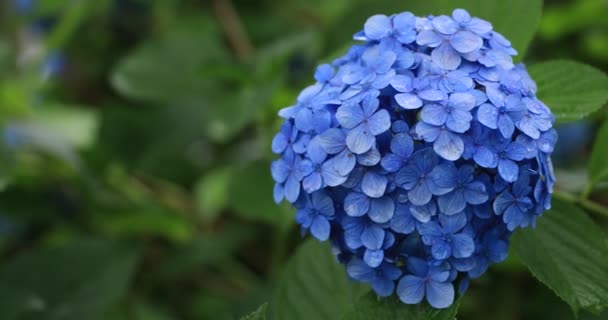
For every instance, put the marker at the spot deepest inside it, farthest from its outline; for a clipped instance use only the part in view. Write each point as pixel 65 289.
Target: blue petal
pixel 425 212
pixel 312 183
pixel 420 194
pixel 383 287
pixel 332 140
pixel 392 162
pixel 427 132
pixel 360 140
pixel 331 175
pixel 324 72
pixel 439 295
pixel 359 270
pixel 370 158
pixel 485 157
pixel 505 126
pixel 446 57
pixel 441 250
pixel 381 210
pixel 417 266
pixel 475 193
pixel 373 258
pixel 304 120
pixel 356 204
pixel 452 203
pixel 402 83
pixel 445 25
pixel 402 221
pixel 461 16
pixel 487 114
pixel 323 203
pixel 444 178
pixel 372 237
pixel 434 114
pixel 279 170
pixel 429 38
pixel 502 202
pixel 279 143
pixel 374 184
pixel 315 152
pixel 379 122
pixel 278 193
pixel 429 231
pixel 377 27
pixel 449 146
pixel 432 95
pixel 508 170
pixel 479 26
pixel 320 228
pixel 305 217
pixel 349 115
pixel 403 145
pixel 369 105
pixel 459 121
pixel 292 189
pixel 344 162
pixel 462 246
pixel 453 223
pixel 408 101
pixel 411 289
pixel 466 41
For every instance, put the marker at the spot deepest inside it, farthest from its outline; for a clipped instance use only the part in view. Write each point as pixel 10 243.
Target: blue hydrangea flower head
pixel 417 154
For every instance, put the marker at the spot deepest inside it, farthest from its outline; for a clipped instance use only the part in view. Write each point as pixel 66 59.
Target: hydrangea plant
pixel 417 154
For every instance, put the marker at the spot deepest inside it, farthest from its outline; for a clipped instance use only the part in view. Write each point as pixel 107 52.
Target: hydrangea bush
pixel 417 154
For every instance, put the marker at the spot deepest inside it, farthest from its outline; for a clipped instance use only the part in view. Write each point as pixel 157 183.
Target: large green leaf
pixel 571 89
pixel 259 314
pixel 567 252
pixel 598 168
pixel 314 286
pixel 72 283
pixel 515 19
pixel 372 307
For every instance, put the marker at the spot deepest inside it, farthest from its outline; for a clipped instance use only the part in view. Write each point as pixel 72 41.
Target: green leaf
pixel 571 89
pixel 250 194
pixel 76 282
pixel 598 168
pixel 259 314
pixel 370 306
pixel 175 66
pixel 314 286
pixel 567 252
pixel 517 20
pixel 211 193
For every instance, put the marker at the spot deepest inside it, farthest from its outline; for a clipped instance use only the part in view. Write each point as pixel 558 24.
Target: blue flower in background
pixel 417 154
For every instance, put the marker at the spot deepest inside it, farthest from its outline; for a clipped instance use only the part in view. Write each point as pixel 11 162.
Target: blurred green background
pixel 134 152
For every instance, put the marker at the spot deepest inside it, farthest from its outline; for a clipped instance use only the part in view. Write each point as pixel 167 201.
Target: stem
pixel 584 203
pixel 233 28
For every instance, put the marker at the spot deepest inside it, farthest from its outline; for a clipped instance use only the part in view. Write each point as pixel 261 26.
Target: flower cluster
pixel 417 154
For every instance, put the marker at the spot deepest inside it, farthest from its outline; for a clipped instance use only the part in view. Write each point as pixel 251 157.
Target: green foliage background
pixel 135 184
